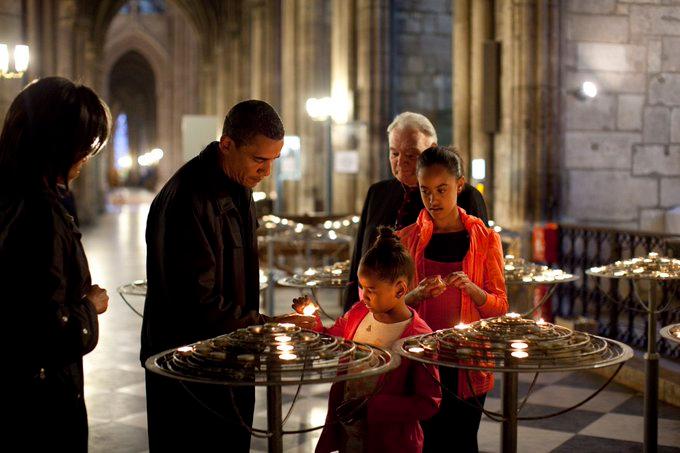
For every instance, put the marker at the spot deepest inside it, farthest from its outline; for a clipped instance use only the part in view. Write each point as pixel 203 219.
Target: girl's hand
pixel 427 288
pixel 299 303
pixel 461 281
pixel 303 322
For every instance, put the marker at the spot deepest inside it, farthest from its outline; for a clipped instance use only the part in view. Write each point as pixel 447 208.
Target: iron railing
pixel 613 303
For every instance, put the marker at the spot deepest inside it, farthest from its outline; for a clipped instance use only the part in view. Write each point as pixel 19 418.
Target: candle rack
pixel 272 355
pixel 655 270
pixel 510 345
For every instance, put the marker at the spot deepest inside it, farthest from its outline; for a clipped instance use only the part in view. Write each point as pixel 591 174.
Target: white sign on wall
pixel 197 132
pixel 346 161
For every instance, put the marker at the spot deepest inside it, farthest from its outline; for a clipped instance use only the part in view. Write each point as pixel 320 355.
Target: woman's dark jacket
pixel 49 325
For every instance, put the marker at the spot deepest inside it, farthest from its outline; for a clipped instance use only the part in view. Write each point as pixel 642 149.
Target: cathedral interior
pixel 566 114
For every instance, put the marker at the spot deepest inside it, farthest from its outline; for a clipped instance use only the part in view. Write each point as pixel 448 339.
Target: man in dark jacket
pixel 203 279
pixel 396 202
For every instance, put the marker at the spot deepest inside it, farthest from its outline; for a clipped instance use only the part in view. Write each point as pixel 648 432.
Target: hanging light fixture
pixel 20 58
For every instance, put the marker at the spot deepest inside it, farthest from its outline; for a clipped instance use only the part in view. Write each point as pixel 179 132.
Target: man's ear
pixel 226 144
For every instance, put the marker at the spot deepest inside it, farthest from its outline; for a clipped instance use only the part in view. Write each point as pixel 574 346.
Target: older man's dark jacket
pixel 383 205
pixel 49 325
pixel 202 263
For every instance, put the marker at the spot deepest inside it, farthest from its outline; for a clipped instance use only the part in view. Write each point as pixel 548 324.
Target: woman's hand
pixel 427 288
pixel 99 298
pixel 461 281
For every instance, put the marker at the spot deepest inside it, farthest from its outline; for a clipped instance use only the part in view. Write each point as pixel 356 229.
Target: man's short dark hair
pixel 247 119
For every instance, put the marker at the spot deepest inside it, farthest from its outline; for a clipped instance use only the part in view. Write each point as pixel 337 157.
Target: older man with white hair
pixel 396 201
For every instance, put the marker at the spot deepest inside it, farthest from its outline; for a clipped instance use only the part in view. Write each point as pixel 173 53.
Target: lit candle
pixel 513 315
pixel 286 325
pixel 461 326
pixel 185 349
pixel 619 273
pixel 282 338
pixel 312 283
pixel 519 354
pixel 416 349
pixel 540 322
pixel 285 347
pixel 310 271
pixel 287 356
pixel 309 309
pixel 519 345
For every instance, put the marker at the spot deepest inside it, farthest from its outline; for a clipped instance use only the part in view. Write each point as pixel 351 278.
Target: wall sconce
pixel 20 57
pixel 588 90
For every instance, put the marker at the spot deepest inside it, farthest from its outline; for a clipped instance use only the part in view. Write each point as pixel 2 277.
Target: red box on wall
pixel 545 243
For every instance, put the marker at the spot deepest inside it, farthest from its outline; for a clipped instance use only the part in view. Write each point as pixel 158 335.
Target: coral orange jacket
pixel 406 395
pixel 483 265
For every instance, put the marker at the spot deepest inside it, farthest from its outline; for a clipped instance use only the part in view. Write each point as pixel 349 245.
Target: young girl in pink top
pixel 380 415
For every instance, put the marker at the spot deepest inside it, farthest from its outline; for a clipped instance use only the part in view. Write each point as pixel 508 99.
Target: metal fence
pixel 613 303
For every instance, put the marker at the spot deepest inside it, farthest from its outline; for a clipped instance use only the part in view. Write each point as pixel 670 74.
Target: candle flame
pixel 309 310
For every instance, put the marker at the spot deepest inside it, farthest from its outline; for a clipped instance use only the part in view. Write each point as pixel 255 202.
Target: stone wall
pixel 421 61
pixel 621 149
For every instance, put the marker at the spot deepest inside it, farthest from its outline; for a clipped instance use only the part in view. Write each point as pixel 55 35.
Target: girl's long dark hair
pixel 388 258
pixel 52 124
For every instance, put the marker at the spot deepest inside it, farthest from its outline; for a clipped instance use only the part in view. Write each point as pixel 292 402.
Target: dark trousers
pixel 456 424
pixel 178 422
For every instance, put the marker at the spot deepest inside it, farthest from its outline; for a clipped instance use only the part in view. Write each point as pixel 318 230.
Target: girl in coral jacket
pixel 459 263
pixel 380 414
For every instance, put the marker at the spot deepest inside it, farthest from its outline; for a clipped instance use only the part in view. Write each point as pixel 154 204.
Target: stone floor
pixel 114 379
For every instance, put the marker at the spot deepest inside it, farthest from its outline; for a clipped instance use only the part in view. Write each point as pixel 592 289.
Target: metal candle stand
pixel 510 344
pixel 654 269
pixel 283 231
pixel 335 276
pixel 272 355
pixel 136 289
pixel 671 333
pixel 519 272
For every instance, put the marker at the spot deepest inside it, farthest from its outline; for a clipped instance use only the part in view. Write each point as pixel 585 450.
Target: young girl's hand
pixel 427 288
pixel 461 281
pixel 299 304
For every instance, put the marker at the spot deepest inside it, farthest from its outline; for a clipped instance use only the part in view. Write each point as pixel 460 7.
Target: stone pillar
pixel 305 74
pixel 343 85
pixel 373 88
pixel 521 155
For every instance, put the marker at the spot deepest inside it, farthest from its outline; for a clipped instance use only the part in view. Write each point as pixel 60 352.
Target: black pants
pixel 456 424
pixel 178 422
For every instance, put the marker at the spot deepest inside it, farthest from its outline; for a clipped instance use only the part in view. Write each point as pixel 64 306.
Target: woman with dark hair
pixel 465 257
pixel 49 303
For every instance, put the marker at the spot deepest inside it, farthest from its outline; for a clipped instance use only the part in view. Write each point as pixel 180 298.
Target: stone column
pixel 305 73
pixel 521 155
pixel 373 88
pixel 343 85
